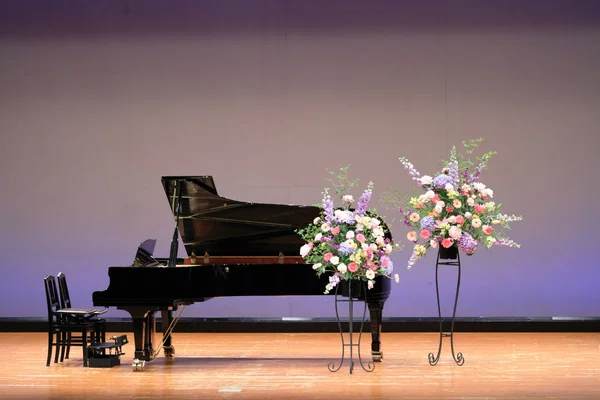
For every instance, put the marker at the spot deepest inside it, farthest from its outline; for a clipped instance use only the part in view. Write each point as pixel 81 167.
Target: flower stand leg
pixel 458 357
pixel 338 299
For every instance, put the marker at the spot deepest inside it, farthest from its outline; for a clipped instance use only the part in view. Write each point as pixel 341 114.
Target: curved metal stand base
pixel 458 357
pixel 369 367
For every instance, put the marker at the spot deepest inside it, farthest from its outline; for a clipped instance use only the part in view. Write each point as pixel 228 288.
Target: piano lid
pixel 209 223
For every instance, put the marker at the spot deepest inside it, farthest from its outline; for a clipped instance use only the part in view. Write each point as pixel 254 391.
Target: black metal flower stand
pixel 355 290
pixel 450 257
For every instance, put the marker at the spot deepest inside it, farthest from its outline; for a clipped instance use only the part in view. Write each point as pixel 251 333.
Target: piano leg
pixel 167 320
pixel 376 312
pixel 143 332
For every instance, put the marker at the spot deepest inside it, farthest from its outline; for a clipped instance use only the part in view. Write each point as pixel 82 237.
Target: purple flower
pixel 428 223
pixel 467 244
pixel 453 172
pixel 363 202
pixel 345 249
pixel 327 207
pixel 441 180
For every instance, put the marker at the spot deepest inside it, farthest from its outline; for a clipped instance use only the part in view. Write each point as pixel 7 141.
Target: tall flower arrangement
pixel 455 208
pixel 347 242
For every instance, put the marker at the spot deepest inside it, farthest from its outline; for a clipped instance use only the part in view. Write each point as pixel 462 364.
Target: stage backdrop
pixel 100 99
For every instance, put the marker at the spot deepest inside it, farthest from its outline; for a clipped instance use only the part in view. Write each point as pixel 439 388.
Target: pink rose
pixel 371 265
pixel 460 219
pixel 447 242
pixel 327 257
pixel 335 231
pixel 353 267
pixel 449 209
pixel 425 234
pixel 361 238
pixel 487 229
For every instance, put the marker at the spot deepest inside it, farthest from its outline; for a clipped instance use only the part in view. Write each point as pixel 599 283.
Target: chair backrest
pixel 52 299
pixel 65 299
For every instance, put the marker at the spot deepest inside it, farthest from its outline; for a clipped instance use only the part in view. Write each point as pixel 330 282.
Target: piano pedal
pixel 138 365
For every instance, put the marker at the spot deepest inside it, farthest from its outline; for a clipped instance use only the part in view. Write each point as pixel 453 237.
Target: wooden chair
pixel 65 330
pixel 81 314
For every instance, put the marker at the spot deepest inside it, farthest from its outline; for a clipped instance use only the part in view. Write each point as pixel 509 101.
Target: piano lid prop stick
pixel 175 241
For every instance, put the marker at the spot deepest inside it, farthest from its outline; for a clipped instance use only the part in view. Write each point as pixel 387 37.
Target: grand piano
pixel 233 248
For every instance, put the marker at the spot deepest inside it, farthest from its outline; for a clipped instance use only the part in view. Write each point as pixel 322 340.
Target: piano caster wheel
pixel 138 365
pixel 169 352
pixel 377 356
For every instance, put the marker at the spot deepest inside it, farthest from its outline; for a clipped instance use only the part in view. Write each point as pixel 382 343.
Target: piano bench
pixel 106 354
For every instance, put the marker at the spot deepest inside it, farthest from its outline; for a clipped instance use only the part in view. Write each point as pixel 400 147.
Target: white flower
pixel 350 235
pixel 433 243
pixel 317 266
pixel 318 237
pixel 480 187
pixel 380 240
pixel 468 215
pixel 438 209
pixel 470 202
pixel 495 222
pixel 316 221
pixel 342 268
pixel 348 199
pixel 325 227
pixel 388 248
pixel 304 250
pixel 456 203
pixel 440 204
pixel 378 232
pixel 370 284
pixel 430 194
pixel 449 186
pixel 425 180
pixel 335 260
pixel 397 278
pixel 488 192
pixel 370 274
pixel 476 222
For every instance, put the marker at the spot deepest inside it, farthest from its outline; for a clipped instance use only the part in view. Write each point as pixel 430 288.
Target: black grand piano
pixel 234 248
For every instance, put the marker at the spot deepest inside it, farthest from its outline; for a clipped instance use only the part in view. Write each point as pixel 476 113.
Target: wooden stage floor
pixel 294 366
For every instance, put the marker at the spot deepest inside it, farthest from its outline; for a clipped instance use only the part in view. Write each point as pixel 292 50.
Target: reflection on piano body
pixel 234 249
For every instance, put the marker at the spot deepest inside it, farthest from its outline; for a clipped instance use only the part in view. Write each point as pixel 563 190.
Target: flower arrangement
pixel 456 208
pixel 349 243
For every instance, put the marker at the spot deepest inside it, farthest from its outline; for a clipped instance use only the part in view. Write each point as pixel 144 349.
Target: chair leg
pixel 84 346
pixel 50 339
pixel 59 341
pixel 62 347
pixel 68 344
